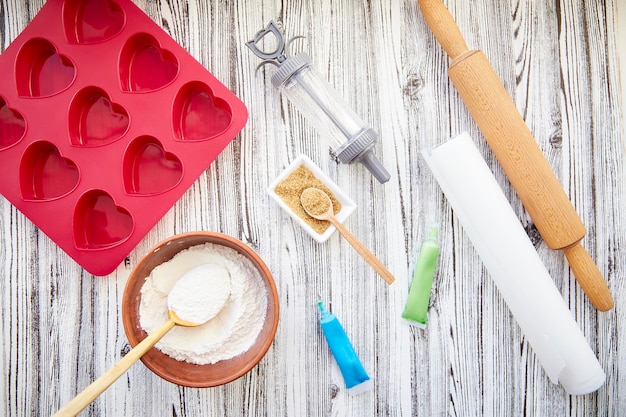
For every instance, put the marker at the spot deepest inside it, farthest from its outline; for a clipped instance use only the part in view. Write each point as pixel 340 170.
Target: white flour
pixel 200 294
pixel 231 332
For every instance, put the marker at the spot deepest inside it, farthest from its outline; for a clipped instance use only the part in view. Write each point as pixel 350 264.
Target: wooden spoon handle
pixel 363 251
pixel 444 27
pixel 82 400
pixel 589 277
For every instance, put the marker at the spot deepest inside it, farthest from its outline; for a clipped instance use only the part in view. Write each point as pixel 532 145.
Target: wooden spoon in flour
pixel 197 297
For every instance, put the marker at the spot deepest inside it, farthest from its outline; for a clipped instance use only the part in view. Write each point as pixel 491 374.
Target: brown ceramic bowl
pixel 184 373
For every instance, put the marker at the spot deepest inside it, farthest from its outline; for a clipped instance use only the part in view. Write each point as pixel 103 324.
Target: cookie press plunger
pixel 321 105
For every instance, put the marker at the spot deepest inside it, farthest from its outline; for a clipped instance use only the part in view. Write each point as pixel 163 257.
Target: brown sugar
pixel 315 201
pixel 290 189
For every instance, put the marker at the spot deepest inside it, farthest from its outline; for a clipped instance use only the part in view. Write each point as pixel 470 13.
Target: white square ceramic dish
pixel 347 204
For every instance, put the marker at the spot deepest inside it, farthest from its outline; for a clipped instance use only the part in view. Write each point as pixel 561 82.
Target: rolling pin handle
pixel 589 277
pixel 444 27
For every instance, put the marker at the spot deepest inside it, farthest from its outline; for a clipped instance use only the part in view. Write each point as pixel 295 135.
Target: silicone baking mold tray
pixel 105 121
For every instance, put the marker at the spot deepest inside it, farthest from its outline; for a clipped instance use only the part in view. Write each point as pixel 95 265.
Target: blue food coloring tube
pixel 355 377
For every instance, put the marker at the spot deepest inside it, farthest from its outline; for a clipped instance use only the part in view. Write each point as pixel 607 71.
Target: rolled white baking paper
pixel 514 265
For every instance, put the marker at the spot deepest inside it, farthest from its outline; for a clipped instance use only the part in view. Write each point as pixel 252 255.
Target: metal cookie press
pixel 353 139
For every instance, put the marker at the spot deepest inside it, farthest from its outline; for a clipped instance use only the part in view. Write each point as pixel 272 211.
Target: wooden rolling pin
pixel 517 152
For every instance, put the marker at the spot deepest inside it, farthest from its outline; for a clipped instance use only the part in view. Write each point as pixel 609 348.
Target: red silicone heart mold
pixel 145 66
pixel 94 120
pixel 198 114
pixel 92 21
pixel 40 71
pixel 12 125
pixel 149 169
pixel 45 174
pixel 105 122
pixel 99 223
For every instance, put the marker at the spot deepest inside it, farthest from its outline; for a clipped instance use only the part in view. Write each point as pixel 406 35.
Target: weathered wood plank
pixel 61 327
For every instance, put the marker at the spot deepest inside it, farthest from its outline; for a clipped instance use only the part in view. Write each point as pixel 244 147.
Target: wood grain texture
pixel 61 327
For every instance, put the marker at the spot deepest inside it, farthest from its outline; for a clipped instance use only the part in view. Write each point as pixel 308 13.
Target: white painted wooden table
pixel 61 326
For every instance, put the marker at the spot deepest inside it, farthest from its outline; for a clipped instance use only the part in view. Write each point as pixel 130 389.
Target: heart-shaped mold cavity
pixel 40 71
pixel 99 223
pixel 93 21
pixel 144 66
pixel 149 169
pixel 94 120
pixel 45 174
pixel 198 114
pixel 12 125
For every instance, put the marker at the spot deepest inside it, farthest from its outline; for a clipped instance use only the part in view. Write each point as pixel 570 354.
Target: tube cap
pixel 359 148
pixel 323 310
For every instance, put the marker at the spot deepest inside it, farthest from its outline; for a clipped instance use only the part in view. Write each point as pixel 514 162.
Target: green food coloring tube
pixel 416 307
